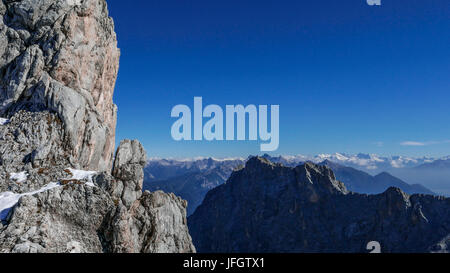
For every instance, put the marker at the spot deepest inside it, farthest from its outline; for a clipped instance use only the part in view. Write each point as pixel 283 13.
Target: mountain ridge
pixel 361 160
pixel 192 179
pixel 267 207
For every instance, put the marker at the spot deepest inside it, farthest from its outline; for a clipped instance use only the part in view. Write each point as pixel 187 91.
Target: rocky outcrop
pixel 62 56
pixel 64 219
pixel 128 166
pixel 58 66
pixel 267 207
pixel 155 223
pixel 97 213
pixel 442 246
pixel 31 142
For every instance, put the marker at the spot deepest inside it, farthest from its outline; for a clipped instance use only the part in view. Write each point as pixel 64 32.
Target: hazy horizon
pixel 197 157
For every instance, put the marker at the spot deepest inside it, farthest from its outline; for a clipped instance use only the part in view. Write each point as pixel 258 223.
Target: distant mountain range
pixel 191 186
pixel 161 169
pixel 267 207
pixel 192 179
pixel 370 163
pixel 361 182
pixel 440 164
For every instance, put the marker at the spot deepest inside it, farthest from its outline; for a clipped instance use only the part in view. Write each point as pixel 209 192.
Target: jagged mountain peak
pixel 272 208
pixel 258 162
pixel 397 194
pixel 308 175
pixel 320 176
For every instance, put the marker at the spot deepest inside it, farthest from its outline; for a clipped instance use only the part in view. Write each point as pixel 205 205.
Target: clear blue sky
pixel 348 77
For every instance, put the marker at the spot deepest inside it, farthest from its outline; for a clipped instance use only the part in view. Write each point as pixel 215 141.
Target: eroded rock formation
pixel 58 67
pixel 98 213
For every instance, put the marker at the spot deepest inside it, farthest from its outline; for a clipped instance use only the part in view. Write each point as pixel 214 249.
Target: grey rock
pixel 128 167
pixel 156 223
pixel 59 62
pixel 32 142
pixel 267 207
pixel 62 56
pixel 77 217
pixel 443 246
pixel 50 221
pixel 129 153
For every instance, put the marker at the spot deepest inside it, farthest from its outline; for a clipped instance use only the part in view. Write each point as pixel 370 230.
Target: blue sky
pixel 348 77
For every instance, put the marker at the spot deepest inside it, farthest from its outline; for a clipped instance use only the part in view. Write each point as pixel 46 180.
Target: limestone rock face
pixel 62 56
pixel 95 213
pixel 155 223
pixel 64 219
pixel 129 162
pixel 59 190
pixel 31 141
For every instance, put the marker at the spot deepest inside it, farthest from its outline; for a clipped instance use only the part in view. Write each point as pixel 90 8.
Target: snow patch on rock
pixel 73 2
pixel 4 121
pixel 83 175
pixel 10 199
pixel 19 177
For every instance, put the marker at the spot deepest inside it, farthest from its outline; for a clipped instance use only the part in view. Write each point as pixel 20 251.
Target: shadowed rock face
pixel 267 207
pixel 58 66
pixel 62 56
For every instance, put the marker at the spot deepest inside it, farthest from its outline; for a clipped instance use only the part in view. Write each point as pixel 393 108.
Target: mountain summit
pixel 267 207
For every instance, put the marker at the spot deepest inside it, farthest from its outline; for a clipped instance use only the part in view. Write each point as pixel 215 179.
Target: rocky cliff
pixel 62 56
pixel 61 189
pixel 267 207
